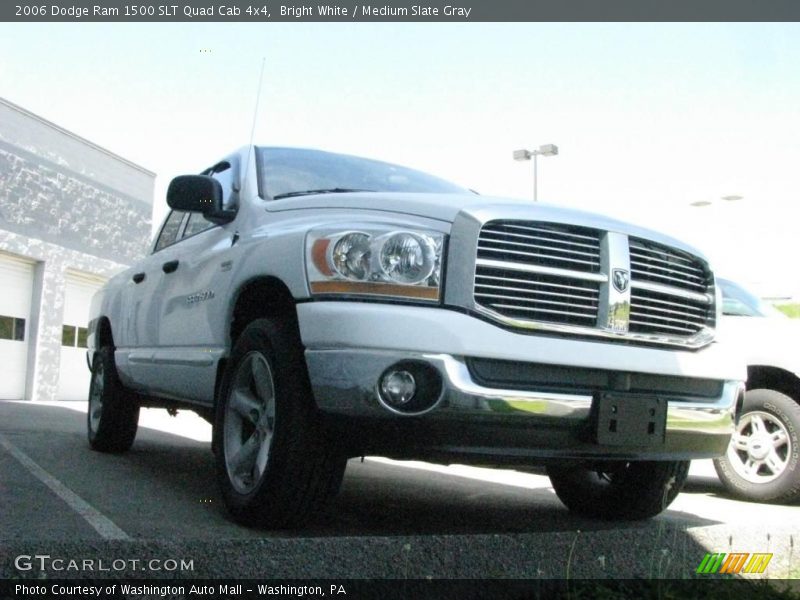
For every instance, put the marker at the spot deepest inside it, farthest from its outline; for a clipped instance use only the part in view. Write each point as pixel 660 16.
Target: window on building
pixel 12 328
pixel 73 336
pixel 68 335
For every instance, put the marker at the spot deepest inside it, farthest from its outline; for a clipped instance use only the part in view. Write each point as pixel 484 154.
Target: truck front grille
pixel 545 281
pixel 660 264
pixel 540 275
pixel 549 298
pixel 659 312
pixel 544 244
pixel 679 306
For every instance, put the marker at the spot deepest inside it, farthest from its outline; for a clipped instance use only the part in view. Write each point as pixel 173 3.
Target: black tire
pixel 266 414
pixel 619 490
pixel 113 415
pixel 761 463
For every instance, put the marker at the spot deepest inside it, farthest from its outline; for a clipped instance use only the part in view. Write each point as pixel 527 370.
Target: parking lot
pixel 160 502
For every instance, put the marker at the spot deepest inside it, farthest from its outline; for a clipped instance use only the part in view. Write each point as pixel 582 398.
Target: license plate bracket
pixel 630 420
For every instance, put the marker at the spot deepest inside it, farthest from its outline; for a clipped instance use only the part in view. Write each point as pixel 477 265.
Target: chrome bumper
pixel 468 418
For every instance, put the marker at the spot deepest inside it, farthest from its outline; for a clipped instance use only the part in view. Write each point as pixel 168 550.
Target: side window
pixel 196 224
pixel 224 174
pixel 170 229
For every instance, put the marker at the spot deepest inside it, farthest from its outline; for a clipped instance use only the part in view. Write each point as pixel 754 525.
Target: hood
pixel 445 207
pixel 766 341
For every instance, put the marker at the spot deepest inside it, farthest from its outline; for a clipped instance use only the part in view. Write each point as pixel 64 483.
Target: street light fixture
pixel 729 198
pixel 545 150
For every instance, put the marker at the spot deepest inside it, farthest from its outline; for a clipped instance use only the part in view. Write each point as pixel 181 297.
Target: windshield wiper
pixel 327 191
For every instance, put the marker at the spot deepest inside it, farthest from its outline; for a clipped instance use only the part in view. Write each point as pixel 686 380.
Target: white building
pixel 71 215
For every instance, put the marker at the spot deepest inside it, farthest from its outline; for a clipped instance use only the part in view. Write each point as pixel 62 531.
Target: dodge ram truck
pixel 316 306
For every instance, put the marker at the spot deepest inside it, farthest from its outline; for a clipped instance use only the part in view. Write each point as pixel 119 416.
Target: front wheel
pixel 761 463
pixel 619 490
pixel 274 464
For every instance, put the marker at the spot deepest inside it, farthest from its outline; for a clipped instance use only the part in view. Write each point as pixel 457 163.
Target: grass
pixel 791 310
pixel 671 589
pixel 658 587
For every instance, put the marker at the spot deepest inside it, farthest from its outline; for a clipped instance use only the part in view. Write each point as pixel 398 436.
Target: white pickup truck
pixel 315 306
pixel 762 463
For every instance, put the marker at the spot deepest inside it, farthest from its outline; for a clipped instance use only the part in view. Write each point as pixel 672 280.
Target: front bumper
pixel 350 345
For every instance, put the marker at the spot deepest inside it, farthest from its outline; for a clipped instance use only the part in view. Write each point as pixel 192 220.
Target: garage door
pixel 16 283
pixel 73 380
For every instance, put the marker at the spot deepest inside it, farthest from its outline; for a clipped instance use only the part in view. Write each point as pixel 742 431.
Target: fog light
pixel 398 387
pixel 409 387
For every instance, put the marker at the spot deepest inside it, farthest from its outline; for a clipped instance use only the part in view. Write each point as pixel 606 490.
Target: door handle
pixel 138 278
pixel 170 266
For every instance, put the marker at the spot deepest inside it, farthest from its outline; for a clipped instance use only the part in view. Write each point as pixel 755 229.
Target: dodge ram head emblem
pixel 621 279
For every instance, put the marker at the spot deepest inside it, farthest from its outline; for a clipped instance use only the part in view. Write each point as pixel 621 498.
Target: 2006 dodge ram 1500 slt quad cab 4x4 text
pixel 315 307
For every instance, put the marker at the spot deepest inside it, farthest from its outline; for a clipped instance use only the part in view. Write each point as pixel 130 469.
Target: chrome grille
pixel 660 264
pixel 543 275
pixel 538 297
pixel 545 244
pixel 536 271
pixel 677 301
pixel 655 312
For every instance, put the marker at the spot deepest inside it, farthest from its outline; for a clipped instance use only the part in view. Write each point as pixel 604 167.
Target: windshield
pixel 739 302
pixel 284 172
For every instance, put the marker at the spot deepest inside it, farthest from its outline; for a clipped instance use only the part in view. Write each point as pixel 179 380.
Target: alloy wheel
pixel 96 395
pixel 760 448
pixel 249 422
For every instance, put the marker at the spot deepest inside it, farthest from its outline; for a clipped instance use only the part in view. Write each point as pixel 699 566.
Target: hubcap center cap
pixel 758 447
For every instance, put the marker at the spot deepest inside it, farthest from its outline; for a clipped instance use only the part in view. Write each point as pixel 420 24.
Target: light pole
pixel 546 150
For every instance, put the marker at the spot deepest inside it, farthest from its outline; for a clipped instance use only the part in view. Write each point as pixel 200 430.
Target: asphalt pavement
pixel 156 511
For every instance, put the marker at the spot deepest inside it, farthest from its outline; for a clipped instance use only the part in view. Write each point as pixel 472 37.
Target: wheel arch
pixel 101 333
pixel 774 378
pixel 104 335
pixel 257 298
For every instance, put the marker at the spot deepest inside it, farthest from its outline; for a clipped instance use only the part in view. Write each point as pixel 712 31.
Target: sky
pixel 648 118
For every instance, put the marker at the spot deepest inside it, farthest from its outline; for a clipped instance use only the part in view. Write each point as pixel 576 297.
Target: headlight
pixel 351 256
pixel 407 257
pixel 380 262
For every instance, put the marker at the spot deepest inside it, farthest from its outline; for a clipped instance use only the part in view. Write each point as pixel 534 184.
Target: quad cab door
pixel 191 302
pixel 136 333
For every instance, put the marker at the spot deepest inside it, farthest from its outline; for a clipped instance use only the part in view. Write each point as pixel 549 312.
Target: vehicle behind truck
pixel 316 306
pixel 762 463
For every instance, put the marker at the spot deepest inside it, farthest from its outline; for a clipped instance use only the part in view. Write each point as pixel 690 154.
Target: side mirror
pixel 198 193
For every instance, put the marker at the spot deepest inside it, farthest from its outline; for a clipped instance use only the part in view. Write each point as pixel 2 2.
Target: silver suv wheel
pixel 760 449
pixel 762 463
